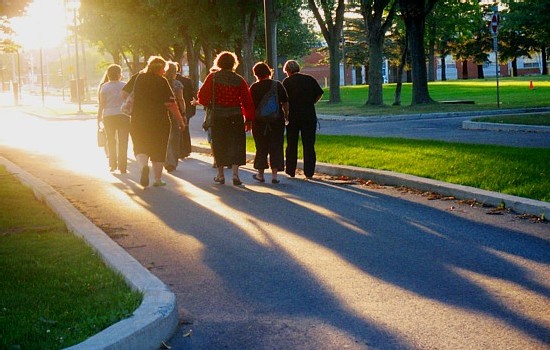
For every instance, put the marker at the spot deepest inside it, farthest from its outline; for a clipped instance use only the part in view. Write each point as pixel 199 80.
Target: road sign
pixel 494 23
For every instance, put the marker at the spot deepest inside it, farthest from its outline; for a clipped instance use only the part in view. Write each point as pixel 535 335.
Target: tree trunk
pixel 515 67
pixel 415 27
pixel 431 54
pixel 480 73
pixel 249 26
pixel 376 60
pixel 270 24
pixel 544 61
pixel 443 69
pixel 193 52
pixel 334 81
pixel 402 62
pixel 414 14
pixel 359 75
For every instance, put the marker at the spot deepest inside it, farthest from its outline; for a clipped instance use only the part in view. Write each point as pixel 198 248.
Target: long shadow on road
pixel 322 260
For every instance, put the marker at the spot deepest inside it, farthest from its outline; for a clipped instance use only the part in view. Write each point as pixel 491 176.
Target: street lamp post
pixel 77 87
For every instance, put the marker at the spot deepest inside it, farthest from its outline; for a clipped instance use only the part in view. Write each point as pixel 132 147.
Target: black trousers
pixel 269 140
pixel 305 129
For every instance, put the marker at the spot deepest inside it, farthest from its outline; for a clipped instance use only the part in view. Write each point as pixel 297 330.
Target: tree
pixel 331 23
pixel 13 8
pixel 378 16
pixel 290 26
pixel 529 20
pixel 414 14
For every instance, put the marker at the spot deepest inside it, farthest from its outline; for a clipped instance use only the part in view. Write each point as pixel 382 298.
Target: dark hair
pixel 262 70
pixel 226 60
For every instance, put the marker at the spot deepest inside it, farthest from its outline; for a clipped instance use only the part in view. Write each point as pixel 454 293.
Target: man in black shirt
pixel 303 92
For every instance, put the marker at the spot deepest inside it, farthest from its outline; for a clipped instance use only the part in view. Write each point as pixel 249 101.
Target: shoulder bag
pixel 127 106
pixel 207 122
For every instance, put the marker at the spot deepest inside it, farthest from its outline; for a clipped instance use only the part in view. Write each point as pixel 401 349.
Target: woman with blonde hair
pixel 150 122
pixel 117 124
pixel 228 95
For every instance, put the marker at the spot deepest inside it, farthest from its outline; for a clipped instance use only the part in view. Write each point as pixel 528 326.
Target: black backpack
pixel 267 110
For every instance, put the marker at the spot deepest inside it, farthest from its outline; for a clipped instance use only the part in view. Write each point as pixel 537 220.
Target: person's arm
pixel 205 92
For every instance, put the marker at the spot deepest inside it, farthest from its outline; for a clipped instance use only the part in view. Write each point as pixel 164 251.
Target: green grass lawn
pixel 55 290
pixel 523 172
pixel 514 93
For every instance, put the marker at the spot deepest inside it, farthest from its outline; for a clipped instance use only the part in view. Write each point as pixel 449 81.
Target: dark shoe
pixel 144 178
pixel 123 171
pixel 112 169
pixel 220 180
pixel 237 181
pixel 159 183
pixel 257 178
pixel 290 174
pixel 275 181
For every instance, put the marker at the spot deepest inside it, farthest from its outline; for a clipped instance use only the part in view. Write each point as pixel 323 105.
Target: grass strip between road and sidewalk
pixel 523 172
pixel 55 290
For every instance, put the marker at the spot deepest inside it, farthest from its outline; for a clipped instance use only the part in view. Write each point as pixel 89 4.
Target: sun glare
pixel 44 25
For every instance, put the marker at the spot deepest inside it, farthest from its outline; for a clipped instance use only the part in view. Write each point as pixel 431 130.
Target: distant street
pixel 306 264
pixel 442 129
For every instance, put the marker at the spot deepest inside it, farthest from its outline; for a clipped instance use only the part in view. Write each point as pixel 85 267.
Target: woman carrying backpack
pixel 271 102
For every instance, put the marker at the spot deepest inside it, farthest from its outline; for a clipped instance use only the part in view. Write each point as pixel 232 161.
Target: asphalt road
pixel 441 128
pixel 305 264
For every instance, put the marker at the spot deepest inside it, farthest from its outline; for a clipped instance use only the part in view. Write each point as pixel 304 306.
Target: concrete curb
pixel 471 125
pixel 517 204
pixel 155 320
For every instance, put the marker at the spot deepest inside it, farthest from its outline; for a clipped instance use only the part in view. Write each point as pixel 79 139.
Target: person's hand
pixel 194 102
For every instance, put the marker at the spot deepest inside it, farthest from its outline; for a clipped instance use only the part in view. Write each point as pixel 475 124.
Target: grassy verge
pixel 521 172
pixel 514 93
pixel 530 119
pixel 55 290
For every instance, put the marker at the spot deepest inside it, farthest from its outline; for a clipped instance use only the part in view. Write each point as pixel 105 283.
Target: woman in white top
pixel 117 124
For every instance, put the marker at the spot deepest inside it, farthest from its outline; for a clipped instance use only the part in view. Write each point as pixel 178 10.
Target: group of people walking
pixel 164 102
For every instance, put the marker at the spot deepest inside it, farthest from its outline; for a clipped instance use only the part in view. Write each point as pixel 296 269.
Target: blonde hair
pixel 155 64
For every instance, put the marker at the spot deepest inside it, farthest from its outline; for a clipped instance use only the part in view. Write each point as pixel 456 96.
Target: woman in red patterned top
pixel 227 93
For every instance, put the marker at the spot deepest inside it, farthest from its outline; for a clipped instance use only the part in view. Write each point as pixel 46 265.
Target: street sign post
pixel 494 29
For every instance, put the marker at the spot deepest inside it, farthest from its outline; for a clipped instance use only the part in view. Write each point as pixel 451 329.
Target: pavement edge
pixel 517 204
pixel 156 319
